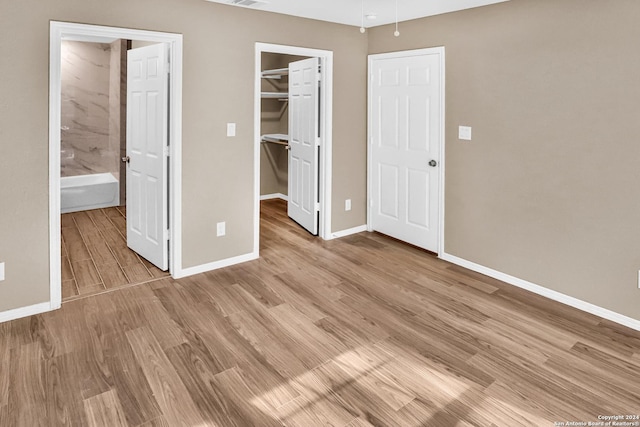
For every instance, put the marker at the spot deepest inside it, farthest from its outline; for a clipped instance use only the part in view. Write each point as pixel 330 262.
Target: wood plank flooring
pixel 360 331
pixel 95 256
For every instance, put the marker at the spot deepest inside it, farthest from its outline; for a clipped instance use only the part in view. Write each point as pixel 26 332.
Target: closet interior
pixel 274 125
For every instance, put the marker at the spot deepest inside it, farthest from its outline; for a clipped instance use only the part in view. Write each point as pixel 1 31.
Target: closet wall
pixel 275 119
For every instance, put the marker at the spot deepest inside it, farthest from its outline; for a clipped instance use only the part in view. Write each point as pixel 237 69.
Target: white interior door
pixel 304 142
pixel 405 114
pixel 147 140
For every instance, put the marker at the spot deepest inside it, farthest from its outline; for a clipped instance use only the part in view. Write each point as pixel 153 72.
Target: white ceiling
pixel 349 11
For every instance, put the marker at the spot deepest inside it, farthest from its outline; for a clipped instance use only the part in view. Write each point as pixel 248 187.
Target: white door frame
pixel 326 127
pixel 60 31
pixel 441 161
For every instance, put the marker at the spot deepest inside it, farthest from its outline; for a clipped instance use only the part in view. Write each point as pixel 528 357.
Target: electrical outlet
pixel 221 229
pixel 1 271
pixel 347 205
pixel 231 129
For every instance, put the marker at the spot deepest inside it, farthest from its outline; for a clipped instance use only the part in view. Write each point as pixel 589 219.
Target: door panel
pixel 405 130
pixel 388 184
pixel 417 205
pixel 304 142
pixel 147 137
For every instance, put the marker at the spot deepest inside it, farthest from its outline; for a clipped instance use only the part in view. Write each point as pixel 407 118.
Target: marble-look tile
pixel 90 133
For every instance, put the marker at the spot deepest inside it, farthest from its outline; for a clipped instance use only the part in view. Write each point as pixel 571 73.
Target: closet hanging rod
pixel 275 74
pixel 276 138
pixel 281 96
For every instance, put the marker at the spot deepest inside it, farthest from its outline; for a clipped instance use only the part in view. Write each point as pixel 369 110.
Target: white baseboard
pixel 275 196
pixel 215 265
pixel 29 310
pixel 546 292
pixel 349 232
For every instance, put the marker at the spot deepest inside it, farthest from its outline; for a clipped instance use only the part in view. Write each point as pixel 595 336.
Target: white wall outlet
pixel 231 129
pixel 347 205
pixel 221 229
pixel 1 271
pixel 464 133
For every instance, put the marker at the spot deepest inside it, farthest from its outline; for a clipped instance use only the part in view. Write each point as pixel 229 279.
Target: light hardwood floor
pixel 353 332
pixel 95 256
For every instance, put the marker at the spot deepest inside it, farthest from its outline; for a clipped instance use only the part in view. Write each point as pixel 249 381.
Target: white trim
pixel 443 143
pixel 55 98
pixel 70 31
pixel 216 265
pixel 326 126
pixel 349 232
pixel 546 292
pixel 274 196
pixel 440 51
pixel 29 310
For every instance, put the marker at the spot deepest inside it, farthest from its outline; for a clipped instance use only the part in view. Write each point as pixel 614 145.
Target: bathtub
pixel 84 192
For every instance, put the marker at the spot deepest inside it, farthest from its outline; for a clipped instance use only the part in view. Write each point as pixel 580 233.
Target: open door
pixel 147 149
pixel 304 142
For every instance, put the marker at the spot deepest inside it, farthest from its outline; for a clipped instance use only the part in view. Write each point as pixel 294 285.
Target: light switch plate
pixel 231 129
pixel 1 271
pixel 221 229
pixel 464 133
pixel 347 205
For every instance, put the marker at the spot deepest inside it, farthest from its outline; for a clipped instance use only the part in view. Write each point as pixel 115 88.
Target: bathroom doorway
pixel 89 153
pixel 93 140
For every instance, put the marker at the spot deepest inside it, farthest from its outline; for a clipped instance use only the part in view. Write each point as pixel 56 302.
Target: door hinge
pixel 167 151
pixel 317 207
pixel 166 234
pixel 370 203
pixel 318 141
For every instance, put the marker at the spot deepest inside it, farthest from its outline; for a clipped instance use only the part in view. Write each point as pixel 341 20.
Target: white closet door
pixel 147 139
pixel 304 143
pixel 405 148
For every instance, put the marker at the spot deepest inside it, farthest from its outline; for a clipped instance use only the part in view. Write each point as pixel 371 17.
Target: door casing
pixel 441 161
pixel 60 31
pixel 326 130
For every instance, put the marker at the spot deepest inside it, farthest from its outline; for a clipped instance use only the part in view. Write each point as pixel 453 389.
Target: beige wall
pixel 549 188
pixel 219 45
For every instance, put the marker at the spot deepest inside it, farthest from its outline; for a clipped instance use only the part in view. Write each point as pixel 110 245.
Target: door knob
pixel 126 159
pixel 433 163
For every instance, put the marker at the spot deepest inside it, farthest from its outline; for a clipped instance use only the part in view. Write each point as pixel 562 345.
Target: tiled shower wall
pixel 92 132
